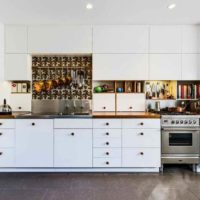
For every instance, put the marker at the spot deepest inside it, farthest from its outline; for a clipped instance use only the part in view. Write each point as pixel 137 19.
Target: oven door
pixel 180 141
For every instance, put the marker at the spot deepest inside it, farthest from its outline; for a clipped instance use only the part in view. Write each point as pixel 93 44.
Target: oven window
pixel 180 139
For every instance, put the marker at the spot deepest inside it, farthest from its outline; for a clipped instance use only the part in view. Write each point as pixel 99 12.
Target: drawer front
pixel 108 142
pixel 106 162
pixel 107 123
pixel 141 157
pixel 7 138
pixel 73 123
pixel 141 123
pixel 107 133
pixel 107 153
pixel 7 157
pixel 141 138
pixel 7 123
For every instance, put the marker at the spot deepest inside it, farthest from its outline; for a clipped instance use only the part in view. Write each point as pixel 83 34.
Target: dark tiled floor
pixel 173 184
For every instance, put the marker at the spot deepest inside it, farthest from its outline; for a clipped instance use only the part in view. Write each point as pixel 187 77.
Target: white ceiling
pixel 104 12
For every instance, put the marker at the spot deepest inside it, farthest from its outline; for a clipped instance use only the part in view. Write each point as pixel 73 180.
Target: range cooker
pixel 180 138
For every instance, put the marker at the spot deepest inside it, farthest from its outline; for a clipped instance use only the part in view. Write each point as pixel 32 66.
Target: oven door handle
pixel 180 129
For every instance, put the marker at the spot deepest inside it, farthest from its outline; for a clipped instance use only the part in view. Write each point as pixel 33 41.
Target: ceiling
pixel 104 12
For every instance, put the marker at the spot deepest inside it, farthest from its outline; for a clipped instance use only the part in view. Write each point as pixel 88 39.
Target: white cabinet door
pixel 7 157
pixel 120 39
pixel 34 143
pixel 165 67
pixel 16 39
pixel 73 148
pixel 20 102
pixel 59 39
pixel 190 66
pixel 191 39
pixel 103 102
pixel 17 67
pixel 120 66
pixel 2 76
pixel 131 102
pixel 165 39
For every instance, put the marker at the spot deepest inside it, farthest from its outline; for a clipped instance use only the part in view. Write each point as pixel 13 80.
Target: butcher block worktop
pixel 125 115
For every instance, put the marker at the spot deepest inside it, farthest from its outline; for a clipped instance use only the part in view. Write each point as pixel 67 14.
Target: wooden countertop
pixel 125 115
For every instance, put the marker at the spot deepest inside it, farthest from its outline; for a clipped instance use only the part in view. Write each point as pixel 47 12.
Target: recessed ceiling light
pixel 89 6
pixel 172 6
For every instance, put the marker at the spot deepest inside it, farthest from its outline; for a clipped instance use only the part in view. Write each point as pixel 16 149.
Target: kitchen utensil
pixel 98 89
pixel 120 89
pixel 157 106
pixel 5 109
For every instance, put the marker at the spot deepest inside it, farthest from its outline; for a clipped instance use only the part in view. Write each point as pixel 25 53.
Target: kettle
pixel 5 109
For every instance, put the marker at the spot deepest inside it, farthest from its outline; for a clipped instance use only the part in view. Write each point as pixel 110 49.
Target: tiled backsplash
pixel 62 77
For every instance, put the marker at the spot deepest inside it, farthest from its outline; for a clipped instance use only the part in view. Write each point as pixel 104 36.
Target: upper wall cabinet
pixel 120 66
pixel 16 39
pixel 165 67
pixel 191 39
pixel 1 52
pixel 165 39
pixel 17 67
pixel 120 39
pixel 59 39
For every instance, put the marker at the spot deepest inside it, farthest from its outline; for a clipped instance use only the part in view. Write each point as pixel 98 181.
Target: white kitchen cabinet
pixel 17 67
pixel 73 148
pixel 59 39
pixel 20 102
pixel 165 67
pixel 120 66
pixel 106 162
pixel 1 52
pixel 165 39
pixel 7 138
pixel 191 39
pixel 131 102
pixel 7 157
pixel 104 102
pixel 120 39
pixel 16 37
pixel 106 124
pixel 190 66
pixel 34 143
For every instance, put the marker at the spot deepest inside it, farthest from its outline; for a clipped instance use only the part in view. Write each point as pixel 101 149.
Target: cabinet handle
pixel 141 133
pixel 107 143
pixel 141 153
pixel 107 124
pixel 19 107
pixel 107 133
pixel 1 124
pixel 72 134
pixel 141 123
pixel 33 124
pixel 107 163
pixel 104 107
pixel 1 133
pixel 107 153
pixel 130 107
pixel 1 153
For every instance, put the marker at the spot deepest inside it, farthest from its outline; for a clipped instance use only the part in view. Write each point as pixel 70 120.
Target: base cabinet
pixel 34 143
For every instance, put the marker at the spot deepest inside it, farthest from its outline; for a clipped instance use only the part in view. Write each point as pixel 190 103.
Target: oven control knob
pixel 181 121
pixel 172 122
pixel 185 122
pixel 194 122
pixel 177 122
pixel 190 121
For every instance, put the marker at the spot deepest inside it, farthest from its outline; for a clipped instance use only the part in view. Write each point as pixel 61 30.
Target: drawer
pixel 106 162
pixel 141 138
pixel 141 123
pixel 107 123
pixel 107 133
pixel 141 157
pixel 107 153
pixel 73 123
pixel 7 138
pixel 7 157
pixel 7 123
pixel 107 142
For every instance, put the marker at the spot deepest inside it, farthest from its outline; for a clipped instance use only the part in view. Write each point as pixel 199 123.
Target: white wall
pixel 5 90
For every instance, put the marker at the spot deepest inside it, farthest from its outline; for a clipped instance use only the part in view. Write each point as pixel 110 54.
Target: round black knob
pixel 141 153
pixel 107 153
pixel 72 134
pixel 181 121
pixel 1 153
pixel 107 133
pixel 1 124
pixel 33 124
pixel 107 143
pixel 107 163
pixel 104 107
pixel 1 133
pixel 141 123
pixel 141 133
pixel 107 124
pixel 19 107
pixel 131 107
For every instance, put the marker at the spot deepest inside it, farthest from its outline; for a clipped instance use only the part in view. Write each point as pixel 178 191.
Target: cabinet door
pixel 17 67
pixel 191 39
pixel 190 66
pixel 73 148
pixel 59 39
pixel 16 39
pixel 103 102
pixel 34 143
pixel 120 66
pixel 165 39
pixel 120 39
pixel 165 67
pixel 131 102
pixel 20 102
